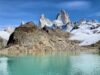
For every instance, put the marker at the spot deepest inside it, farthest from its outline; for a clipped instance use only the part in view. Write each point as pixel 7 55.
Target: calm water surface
pixel 84 64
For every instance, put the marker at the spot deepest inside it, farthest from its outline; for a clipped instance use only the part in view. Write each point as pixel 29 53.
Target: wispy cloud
pixel 12 11
pixel 74 5
pixel 96 14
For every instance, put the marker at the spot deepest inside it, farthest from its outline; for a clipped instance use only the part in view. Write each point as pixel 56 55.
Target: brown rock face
pixel 3 43
pixel 28 27
pixel 22 34
pixel 28 35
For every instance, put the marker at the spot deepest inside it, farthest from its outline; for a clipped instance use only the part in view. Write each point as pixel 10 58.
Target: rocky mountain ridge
pixel 61 19
pixel 55 35
pixel 28 35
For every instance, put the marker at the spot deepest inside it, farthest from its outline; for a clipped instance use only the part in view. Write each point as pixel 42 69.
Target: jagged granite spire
pixel 44 21
pixel 22 22
pixel 63 16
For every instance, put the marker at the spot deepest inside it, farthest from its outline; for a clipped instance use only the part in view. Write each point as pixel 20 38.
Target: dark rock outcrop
pixel 22 34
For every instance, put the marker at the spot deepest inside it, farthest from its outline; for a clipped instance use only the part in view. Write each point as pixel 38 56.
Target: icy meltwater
pixel 84 64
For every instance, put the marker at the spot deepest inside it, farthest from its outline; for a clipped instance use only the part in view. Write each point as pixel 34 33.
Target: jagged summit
pixel 63 16
pixel 44 21
pixel 22 22
pixel 61 19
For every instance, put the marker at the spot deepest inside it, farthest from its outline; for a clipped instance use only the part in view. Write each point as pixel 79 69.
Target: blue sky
pixel 13 11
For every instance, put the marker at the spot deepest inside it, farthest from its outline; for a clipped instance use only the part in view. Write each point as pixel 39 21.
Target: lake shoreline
pixel 21 51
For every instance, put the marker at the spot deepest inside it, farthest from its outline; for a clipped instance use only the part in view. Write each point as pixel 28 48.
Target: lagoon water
pixel 83 64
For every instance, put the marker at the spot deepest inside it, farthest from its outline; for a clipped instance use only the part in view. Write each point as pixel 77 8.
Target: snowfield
pixel 87 33
pixel 4 35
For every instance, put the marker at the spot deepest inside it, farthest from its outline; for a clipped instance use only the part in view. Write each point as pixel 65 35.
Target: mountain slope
pixel 88 33
pixel 44 39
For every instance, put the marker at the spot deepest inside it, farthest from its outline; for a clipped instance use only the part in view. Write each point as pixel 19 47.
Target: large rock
pixel 23 34
pixel 29 36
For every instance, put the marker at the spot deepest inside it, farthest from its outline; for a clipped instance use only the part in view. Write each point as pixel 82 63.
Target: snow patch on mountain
pixel 64 17
pixel 61 19
pixel 6 32
pixel 88 33
pixel 85 31
pixel 9 29
pixel 44 21
pixel 4 35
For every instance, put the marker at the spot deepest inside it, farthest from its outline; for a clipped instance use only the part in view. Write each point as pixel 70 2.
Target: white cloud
pixel 74 5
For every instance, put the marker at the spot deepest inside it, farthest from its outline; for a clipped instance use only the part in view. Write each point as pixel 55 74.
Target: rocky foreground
pixel 30 39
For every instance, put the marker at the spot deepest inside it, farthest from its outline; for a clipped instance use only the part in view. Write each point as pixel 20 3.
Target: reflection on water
pixel 3 66
pixel 84 64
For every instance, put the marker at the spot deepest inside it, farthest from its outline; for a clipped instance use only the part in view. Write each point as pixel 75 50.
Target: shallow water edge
pixel 28 52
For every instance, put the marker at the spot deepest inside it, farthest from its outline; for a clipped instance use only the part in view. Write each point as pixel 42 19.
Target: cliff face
pixel 22 34
pixel 28 35
pixel 3 43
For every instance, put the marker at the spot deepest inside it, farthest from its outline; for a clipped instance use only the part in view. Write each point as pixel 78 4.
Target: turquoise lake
pixel 83 64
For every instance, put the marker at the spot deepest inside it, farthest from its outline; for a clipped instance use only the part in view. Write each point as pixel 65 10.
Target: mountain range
pixel 87 32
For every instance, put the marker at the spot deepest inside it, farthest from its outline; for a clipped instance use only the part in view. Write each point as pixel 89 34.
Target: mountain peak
pixel 44 21
pixel 42 16
pixel 63 16
pixel 22 22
